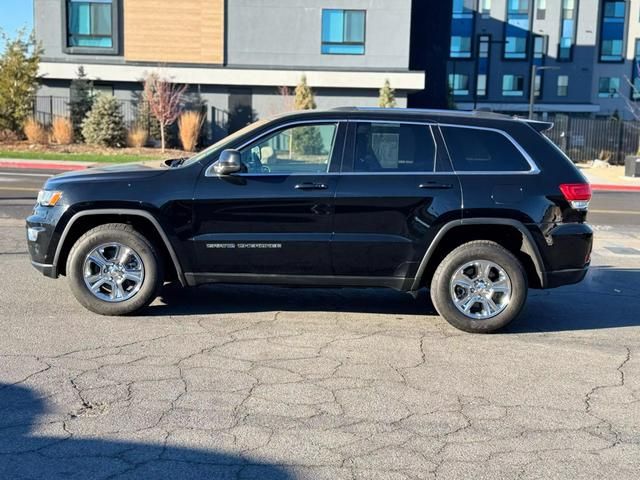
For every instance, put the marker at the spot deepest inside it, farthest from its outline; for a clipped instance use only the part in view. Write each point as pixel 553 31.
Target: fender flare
pixel 120 211
pixel 529 245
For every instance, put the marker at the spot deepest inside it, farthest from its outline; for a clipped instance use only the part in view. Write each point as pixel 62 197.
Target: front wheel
pixel 114 270
pixel 479 287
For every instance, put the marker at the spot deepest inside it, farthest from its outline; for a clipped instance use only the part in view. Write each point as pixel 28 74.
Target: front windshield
pixel 222 144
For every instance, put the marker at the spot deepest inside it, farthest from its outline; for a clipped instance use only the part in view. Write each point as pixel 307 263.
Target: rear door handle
pixel 436 186
pixel 311 186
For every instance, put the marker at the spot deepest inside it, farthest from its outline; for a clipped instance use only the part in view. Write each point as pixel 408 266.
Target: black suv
pixel 477 207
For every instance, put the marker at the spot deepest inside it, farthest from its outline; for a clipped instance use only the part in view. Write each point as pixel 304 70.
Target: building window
pixel 513 85
pixel 481 85
pixel 459 84
pixel 461 29
pixel 90 24
pixel 485 8
pixel 539 47
pixel 568 30
pixel 517 29
pixel 484 47
pixel 541 9
pixel 608 87
pixel 635 73
pixel 563 85
pixel 612 31
pixel 343 32
pixel 537 85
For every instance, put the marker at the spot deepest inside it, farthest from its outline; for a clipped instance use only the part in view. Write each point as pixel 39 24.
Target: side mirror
pixel 228 163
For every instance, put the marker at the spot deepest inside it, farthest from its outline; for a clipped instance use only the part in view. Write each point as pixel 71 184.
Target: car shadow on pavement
pixel 609 297
pixel 26 454
pixel 213 299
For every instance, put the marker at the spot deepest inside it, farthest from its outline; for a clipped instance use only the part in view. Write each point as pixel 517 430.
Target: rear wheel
pixel 114 270
pixel 479 287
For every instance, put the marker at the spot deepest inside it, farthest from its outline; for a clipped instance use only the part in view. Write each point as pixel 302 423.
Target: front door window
pixel 303 149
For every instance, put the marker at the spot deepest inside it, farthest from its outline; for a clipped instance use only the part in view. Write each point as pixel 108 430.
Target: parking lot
pixel 256 382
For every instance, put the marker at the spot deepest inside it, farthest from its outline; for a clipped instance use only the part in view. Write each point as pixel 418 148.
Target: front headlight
pixel 48 198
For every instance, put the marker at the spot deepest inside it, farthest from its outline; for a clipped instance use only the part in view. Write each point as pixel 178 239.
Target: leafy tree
pixel 104 124
pixel 164 100
pixel 305 140
pixel 81 100
pixel 304 98
pixel 18 79
pixel 387 96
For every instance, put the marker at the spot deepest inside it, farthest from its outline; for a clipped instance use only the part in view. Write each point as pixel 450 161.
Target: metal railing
pixel 587 139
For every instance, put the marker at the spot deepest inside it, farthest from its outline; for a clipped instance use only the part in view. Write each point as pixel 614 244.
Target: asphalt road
pixel 607 208
pixel 227 382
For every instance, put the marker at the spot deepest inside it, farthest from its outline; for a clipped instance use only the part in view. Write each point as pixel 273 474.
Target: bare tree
pixel 164 100
pixel 286 97
pixel 633 103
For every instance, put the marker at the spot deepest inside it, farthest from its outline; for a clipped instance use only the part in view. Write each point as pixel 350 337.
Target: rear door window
pixel 393 148
pixel 480 150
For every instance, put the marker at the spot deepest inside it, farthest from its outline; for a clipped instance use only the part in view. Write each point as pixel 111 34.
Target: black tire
pixel 125 235
pixel 441 295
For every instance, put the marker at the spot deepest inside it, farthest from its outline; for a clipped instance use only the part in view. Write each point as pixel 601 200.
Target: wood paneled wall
pixel 174 31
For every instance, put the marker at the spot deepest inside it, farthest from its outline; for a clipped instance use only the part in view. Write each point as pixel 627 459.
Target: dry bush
pixel 8 136
pixel 35 132
pixel 62 131
pixel 189 125
pixel 137 137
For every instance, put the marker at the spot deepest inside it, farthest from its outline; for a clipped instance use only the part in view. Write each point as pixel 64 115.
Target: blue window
pixel 343 32
pixel 484 51
pixel 513 85
pixel 459 84
pixel 90 23
pixel 517 29
pixel 608 87
pixel 612 31
pixel 635 73
pixel 461 29
pixel 568 30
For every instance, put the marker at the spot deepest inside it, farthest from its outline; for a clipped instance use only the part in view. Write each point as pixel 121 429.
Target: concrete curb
pixel 607 187
pixel 62 165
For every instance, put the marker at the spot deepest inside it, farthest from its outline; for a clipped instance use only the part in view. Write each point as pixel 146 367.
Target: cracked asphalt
pixel 242 382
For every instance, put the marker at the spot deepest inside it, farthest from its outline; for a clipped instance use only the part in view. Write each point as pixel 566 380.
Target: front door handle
pixel 311 186
pixel 436 186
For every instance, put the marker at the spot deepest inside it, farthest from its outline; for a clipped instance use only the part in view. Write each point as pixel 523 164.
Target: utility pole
pixel 532 86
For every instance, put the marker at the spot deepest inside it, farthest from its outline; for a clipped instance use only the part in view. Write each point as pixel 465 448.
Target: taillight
pixel 577 194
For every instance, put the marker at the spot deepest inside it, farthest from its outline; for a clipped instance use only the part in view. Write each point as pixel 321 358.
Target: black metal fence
pixel 587 139
pixel 46 108
pixel 582 139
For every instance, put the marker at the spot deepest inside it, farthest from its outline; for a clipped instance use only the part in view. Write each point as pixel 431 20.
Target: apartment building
pixel 234 53
pixel 584 53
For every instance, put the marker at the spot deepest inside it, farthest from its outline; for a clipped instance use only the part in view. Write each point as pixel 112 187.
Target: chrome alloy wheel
pixel 113 272
pixel 480 289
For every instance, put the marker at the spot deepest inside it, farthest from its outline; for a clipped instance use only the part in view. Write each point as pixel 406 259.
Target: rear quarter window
pixel 479 150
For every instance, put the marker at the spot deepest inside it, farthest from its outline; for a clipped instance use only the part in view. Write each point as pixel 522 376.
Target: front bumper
pixel 41 239
pixel 45 269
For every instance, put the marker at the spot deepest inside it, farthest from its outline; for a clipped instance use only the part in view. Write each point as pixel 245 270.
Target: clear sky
pixel 15 14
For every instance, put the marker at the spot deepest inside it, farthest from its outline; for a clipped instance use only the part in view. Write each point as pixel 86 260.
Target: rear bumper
pixel 558 278
pixel 566 252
